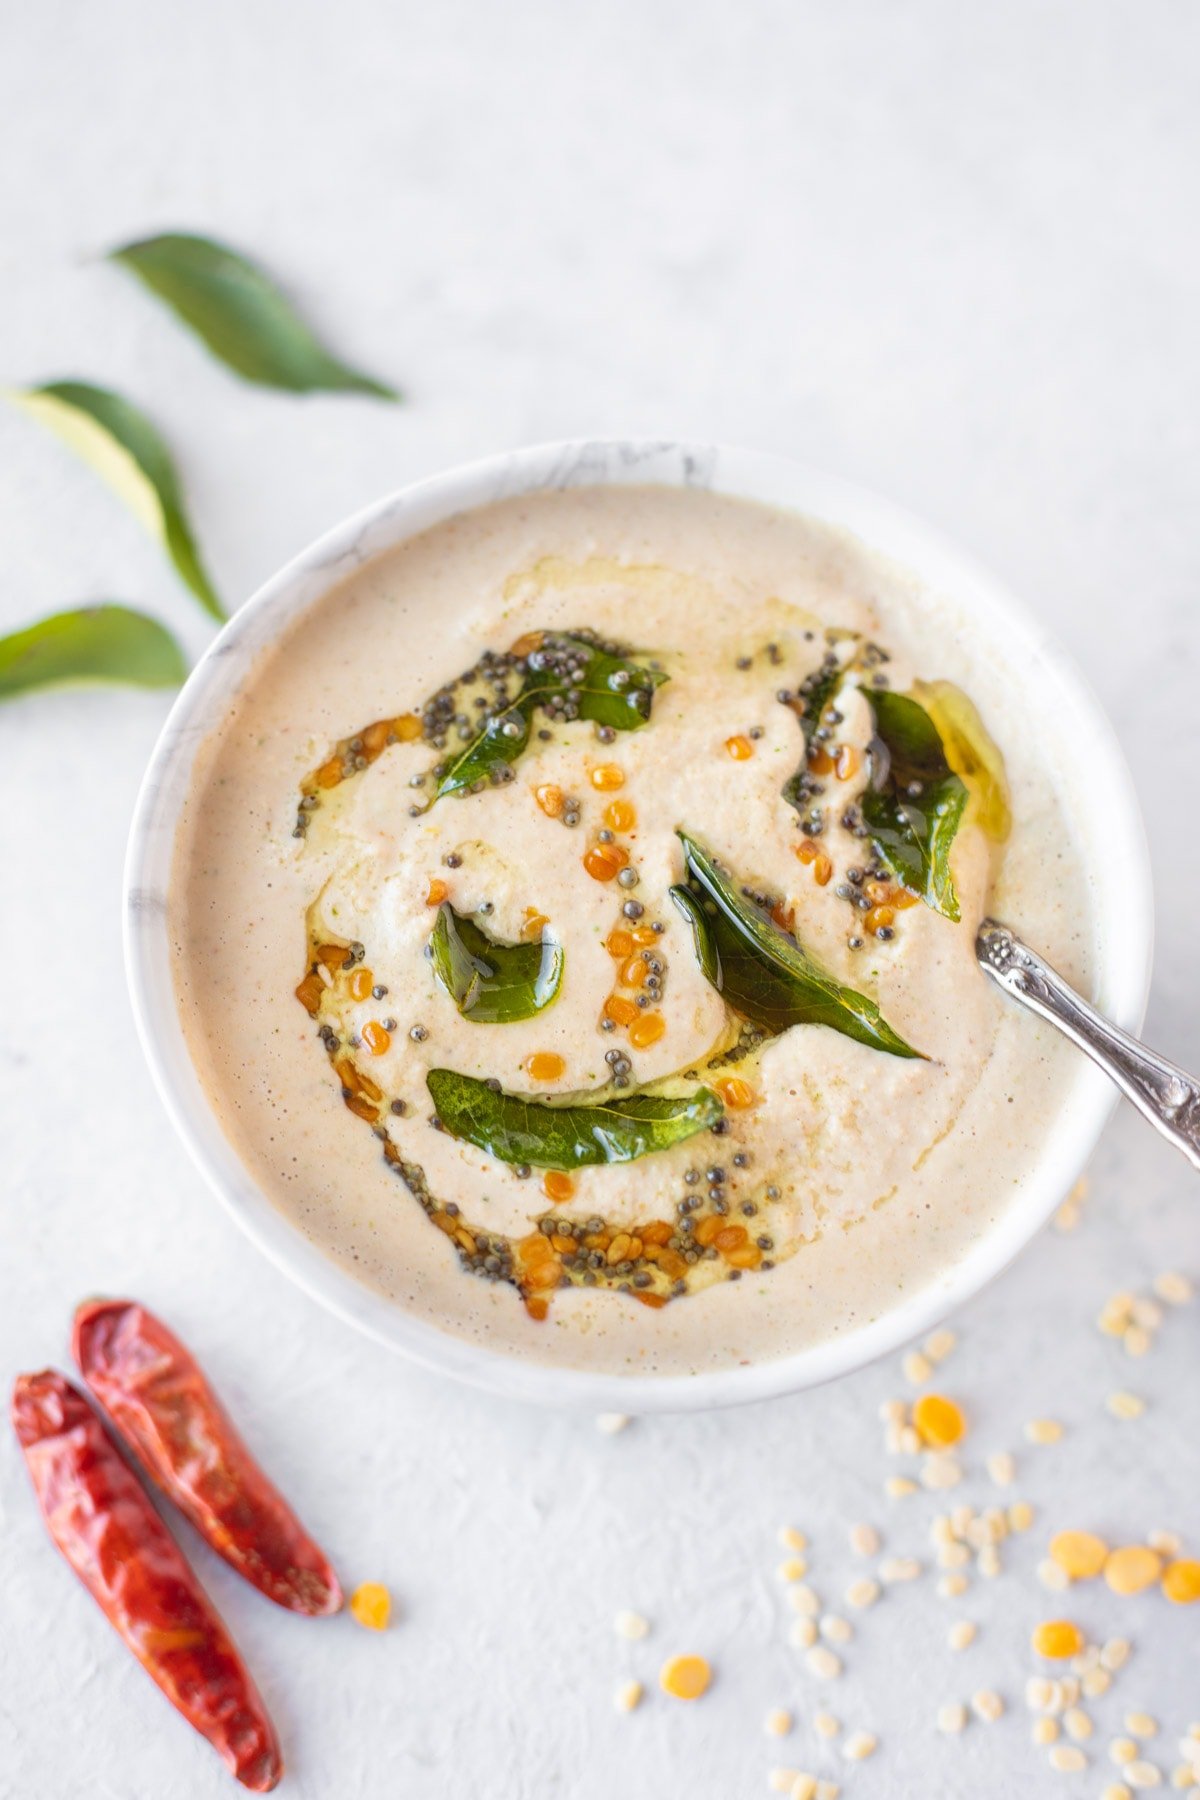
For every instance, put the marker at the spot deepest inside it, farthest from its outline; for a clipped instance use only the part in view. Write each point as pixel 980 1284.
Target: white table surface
pixel 947 250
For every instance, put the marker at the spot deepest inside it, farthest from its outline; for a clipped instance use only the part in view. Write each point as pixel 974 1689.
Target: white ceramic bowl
pixel 1101 798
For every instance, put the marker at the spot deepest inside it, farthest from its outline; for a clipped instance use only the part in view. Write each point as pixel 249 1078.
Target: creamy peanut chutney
pixel 573 924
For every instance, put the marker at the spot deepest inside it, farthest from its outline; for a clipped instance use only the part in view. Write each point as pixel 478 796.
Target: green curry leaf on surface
pixel 606 690
pixel 616 1129
pixel 493 983
pixel 762 972
pixel 125 448
pixel 501 741
pixel 816 693
pixel 91 643
pixel 241 315
pixel 703 937
pixel 914 802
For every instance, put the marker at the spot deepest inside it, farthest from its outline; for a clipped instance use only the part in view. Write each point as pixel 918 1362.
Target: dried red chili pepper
pixel 162 1406
pixel 101 1518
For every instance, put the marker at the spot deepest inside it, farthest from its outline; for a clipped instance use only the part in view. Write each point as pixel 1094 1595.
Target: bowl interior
pixel 1092 776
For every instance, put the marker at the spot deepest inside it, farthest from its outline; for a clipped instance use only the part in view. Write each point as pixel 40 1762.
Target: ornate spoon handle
pixel 1168 1097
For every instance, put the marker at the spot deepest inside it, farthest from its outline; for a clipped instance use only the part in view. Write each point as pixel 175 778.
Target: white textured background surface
pixel 948 250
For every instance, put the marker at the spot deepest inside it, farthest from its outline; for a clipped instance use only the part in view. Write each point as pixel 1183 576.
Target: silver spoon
pixel 1168 1097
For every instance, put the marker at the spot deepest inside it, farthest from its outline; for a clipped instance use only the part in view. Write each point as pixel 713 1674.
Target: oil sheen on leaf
pixel 125 448
pixel 493 983
pixel 764 973
pixel 972 752
pixel 241 315
pixel 616 1129
pixel 914 802
pixel 92 643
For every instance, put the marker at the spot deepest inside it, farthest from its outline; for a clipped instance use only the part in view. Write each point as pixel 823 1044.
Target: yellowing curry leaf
pixel 125 448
